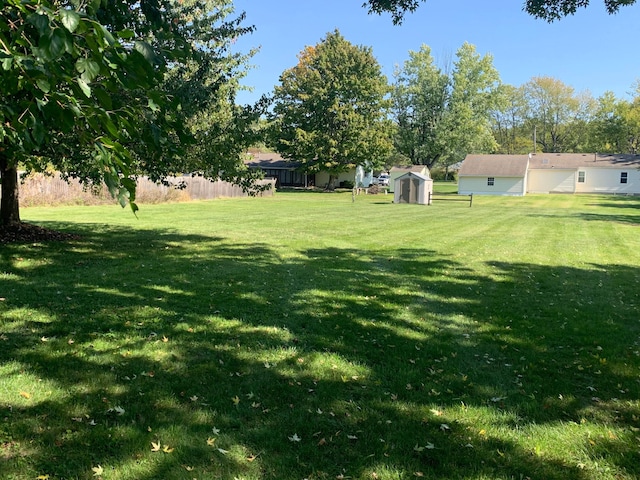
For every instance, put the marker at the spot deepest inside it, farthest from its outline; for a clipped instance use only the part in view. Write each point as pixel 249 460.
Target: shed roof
pixel 414 175
pixel 494 165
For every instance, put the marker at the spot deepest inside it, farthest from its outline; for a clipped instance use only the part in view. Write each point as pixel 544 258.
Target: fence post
pixel 470 199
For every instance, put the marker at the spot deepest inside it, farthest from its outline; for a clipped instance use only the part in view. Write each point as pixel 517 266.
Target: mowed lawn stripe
pixel 314 335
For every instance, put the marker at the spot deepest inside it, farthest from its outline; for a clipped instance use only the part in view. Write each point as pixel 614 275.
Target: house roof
pixel 269 160
pixel 494 165
pixel 573 161
pixel 517 165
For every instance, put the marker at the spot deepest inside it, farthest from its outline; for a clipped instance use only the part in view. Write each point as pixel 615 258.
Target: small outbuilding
pixel 398 171
pixel 413 187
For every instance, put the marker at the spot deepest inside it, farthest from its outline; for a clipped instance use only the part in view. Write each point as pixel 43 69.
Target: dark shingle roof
pixel 268 160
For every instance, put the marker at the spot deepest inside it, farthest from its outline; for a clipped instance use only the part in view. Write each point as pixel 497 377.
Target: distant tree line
pixel 335 110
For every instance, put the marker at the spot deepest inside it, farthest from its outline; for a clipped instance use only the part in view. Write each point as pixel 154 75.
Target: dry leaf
pixel 235 400
pixel 167 449
pixel 224 452
pixel 26 395
pixel 295 438
pixel 211 441
pixel 155 447
pixel 97 471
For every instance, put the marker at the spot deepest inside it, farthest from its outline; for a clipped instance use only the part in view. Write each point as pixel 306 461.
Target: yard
pixel 309 336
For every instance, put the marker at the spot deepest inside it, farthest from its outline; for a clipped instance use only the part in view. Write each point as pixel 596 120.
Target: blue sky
pixel 590 51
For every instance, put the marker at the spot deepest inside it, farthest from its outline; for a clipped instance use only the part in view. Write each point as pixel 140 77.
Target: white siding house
pixel 358 176
pixel 493 175
pixel 549 173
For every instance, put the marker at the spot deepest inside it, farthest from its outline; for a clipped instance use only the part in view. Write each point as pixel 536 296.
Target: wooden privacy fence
pixel 39 189
pixel 452 198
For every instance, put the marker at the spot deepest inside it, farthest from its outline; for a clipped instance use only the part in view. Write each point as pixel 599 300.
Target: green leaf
pixel 145 49
pixel 126 34
pixel 70 19
pixel 58 43
pixel 41 22
pixel 86 89
pixel 43 84
pixel 103 97
pixel 87 68
pixel 38 132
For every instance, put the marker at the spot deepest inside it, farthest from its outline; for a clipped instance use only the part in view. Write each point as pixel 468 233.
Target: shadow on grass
pixel 375 360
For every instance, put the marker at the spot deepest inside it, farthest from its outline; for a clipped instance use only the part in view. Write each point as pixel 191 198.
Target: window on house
pixel 580 177
pixel 491 181
pixel 623 177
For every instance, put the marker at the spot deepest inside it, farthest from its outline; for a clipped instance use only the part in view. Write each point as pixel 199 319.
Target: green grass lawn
pixel 309 336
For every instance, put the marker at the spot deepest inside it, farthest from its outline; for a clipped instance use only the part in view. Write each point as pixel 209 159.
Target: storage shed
pixel 398 171
pixel 412 187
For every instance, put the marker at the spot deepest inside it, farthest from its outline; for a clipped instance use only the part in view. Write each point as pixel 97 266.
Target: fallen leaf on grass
pixel 188 468
pixel 211 441
pixel 155 447
pixel 444 427
pixel 236 400
pixel 97 471
pixel 295 438
pixel 428 446
pixel 222 451
pixel 42 477
pixel 215 430
pixel 251 458
pixel 167 449
pixel 26 395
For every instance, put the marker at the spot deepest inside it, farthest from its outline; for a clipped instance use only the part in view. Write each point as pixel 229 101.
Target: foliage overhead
pixel 104 91
pixel 330 109
pixel 549 10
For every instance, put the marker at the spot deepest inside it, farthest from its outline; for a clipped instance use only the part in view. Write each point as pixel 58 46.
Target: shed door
pixel 409 190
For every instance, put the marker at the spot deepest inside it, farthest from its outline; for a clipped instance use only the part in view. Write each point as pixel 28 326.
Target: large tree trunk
pixel 9 206
pixel 330 187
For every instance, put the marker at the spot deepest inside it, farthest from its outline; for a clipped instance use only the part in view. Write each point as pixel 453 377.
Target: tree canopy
pixel 104 91
pixel 330 109
pixel 549 10
pixel 443 116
